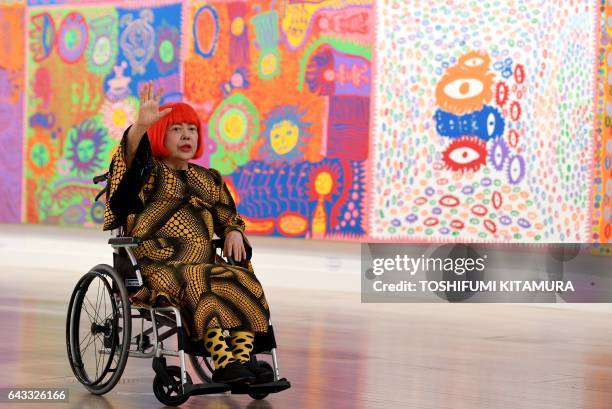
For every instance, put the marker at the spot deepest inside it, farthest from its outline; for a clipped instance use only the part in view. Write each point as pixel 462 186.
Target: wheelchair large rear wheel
pixel 98 329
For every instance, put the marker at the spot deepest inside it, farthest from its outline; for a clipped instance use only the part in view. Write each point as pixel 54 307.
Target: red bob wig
pixel 181 112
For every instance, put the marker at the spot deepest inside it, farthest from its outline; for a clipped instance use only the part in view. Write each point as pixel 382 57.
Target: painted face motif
pixel 284 137
pixel 286 133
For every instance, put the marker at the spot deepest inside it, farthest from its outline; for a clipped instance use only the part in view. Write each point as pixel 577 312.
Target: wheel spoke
pixel 81 343
pixel 98 297
pixel 107 317
pixel 103 357
pixel 93 338
pixel 96 358
pixel 95 330
pixel 94 308
pixel 104 311
pixel 84 308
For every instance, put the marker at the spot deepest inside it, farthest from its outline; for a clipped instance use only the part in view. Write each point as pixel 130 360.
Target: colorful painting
pixel 285 91
pixel 12 59
pixel 356 120
pixel 485 121
pixel 85 66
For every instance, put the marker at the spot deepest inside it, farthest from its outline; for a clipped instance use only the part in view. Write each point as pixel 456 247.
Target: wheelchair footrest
pixel 268 387
pixel 205 388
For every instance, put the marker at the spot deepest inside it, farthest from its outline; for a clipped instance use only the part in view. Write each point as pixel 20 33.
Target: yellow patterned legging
pixel 222 354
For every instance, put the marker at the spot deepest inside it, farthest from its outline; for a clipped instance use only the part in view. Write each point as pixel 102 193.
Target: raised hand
pixel 149 112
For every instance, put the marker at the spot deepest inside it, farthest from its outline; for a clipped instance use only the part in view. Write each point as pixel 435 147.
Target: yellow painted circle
pixel 233 126
pixel 237 26
pixel 119 117
pixel 268 64
pixel 323 183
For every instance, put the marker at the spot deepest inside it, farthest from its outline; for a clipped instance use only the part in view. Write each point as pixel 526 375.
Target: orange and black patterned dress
pixel 176 213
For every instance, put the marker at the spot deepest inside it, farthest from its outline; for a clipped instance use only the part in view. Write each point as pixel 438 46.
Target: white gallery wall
pixel 46 262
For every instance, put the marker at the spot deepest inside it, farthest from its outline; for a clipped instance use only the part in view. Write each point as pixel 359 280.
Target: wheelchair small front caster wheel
pixel 170 395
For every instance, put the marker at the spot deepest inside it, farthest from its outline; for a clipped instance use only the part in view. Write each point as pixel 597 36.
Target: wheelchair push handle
pixel 100 178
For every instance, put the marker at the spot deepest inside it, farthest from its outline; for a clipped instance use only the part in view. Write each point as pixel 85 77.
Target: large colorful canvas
pixel 285 90
pixel 485 121
pixel 352 119
pixel 85 65
pixel 12 60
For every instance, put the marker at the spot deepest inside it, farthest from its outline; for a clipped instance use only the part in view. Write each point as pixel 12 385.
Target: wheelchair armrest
pixel 124 241
pixel 217 243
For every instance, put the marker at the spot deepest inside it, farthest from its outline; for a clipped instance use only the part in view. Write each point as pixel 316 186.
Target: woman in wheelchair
pixel 175 207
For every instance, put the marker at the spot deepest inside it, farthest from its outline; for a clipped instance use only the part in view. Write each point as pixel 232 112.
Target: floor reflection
pixel 339 353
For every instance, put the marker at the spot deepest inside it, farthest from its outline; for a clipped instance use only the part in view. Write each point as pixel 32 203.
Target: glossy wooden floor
pixel 339 353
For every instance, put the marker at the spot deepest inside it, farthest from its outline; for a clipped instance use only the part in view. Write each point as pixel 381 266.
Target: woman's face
pixel 181 141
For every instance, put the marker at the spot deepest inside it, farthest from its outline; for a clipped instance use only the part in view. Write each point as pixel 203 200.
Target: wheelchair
pixel 104 327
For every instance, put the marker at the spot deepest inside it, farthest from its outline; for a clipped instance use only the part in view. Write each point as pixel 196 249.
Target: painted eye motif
pixel 499 154
pixel 475 61
pixel 513 138
pixel 72 37
pixel 491 124
pixel 516 170
pixel 464 88
pixel 490 226
pixel 515 111
pixel 497 200
pixel 42 36
pixel 501 93
pixel 519 73
pixel 486 124
pixel 457 224
pixel 465 154
pixel 449 201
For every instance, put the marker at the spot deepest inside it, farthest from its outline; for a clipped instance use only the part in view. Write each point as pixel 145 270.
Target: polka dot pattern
pixel 182 211
pixel 538 54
